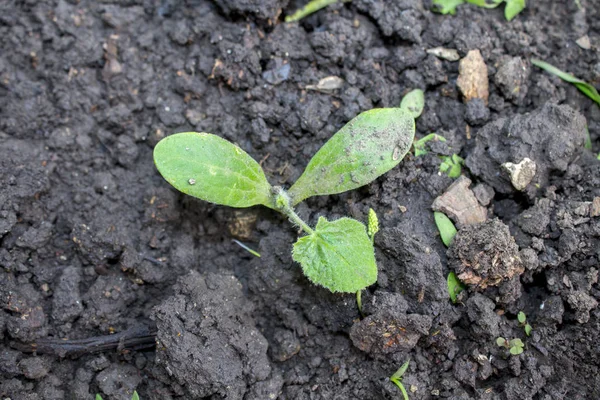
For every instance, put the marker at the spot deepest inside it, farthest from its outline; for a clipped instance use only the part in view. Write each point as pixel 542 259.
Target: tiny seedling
pixel 419 145
pixel 588 139
pixel 338 255
pixel 512 8
pixel 248 249
pixel 452 165
pixel 515 346
pixel 445 226
pixel 397 379
pixel 587 89
pixel 312 7
pixel 522 318
pixel 134 397
pixel 454 286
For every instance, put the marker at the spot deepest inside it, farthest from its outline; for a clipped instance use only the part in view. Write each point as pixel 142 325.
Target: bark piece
pixel 473 77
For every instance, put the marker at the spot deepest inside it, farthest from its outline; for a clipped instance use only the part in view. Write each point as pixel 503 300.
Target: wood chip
pixel 446 54
pixel 595 208
pixel 460 204
pixel 473 77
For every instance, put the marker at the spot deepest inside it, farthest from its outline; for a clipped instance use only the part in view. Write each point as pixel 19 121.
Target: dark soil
pixel 94 242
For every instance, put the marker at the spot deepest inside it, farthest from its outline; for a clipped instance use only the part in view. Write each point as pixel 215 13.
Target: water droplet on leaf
pixel 192 181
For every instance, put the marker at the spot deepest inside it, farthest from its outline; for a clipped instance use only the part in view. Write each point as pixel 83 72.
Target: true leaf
pixel 365 148
pixel 337 255
pixel 583 86
pixel 513 7
pixel 210 168
pixel 454 286
pixel 445 226
pixel 413 102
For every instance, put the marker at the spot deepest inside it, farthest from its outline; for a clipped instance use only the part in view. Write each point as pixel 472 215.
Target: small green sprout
pixel 515 346
pixel 397 379
pixel 134 397
pixel 587 89
pixel 419 145
pixel 446 227
pixel 512 8
pixel 522 318
pixel 310 8
pixel 248 249
pixel 454 286
pixel 452 165
pixel 588 139
pixel 338 255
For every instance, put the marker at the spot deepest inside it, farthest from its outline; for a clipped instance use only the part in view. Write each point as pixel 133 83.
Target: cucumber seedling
pixel 338 255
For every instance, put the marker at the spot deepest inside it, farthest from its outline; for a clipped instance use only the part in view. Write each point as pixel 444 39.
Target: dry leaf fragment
pixel 473 77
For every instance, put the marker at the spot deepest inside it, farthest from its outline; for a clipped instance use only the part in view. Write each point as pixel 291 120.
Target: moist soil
pixel 148 286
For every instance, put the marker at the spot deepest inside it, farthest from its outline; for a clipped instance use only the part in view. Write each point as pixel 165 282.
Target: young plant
pixel 397 379
pixel 445 226
pixel 419 145
pixel 455 287
pixel 452 165
pixel 338 254
pixel 134 397
pixel 311 7
pixel 587 89
pixel 515 346
pixel 522 318
pixel 512 8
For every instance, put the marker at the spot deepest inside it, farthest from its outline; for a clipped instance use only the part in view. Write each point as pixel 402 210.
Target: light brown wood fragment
pixel 460 204
pixel 473 77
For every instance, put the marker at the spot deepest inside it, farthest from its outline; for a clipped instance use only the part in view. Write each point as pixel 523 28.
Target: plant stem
pixel 282 202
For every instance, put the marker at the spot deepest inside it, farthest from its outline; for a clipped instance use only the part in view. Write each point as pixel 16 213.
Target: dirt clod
pixel 485 254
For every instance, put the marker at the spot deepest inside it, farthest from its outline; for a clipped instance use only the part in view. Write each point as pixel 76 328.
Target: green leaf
pixel 501 342
pixel 312 7
pixel 98 397
pixel 337 255
pixel 445 226
pixel 452 165
pixel 413 102
pixel 485 3
pixel 454 286
pixel 521 317
pixel 528 330
pixel 515 351
pixel 513 7
pixel 365 148
pixel 447 6
pixel 588 139
pixel 419 145
pixel 516 343
pixel 212 169
pixel 583 86
pixel 400 373
pixel 135 396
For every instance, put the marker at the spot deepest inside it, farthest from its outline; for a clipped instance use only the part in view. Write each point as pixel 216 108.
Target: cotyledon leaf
pixel 210 168
pixel 371 144
pixel 338 255
pixel 413 102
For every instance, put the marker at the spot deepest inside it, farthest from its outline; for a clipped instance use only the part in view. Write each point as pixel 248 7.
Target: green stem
pixel 359 302
pixel 398 383
pixel 282 202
